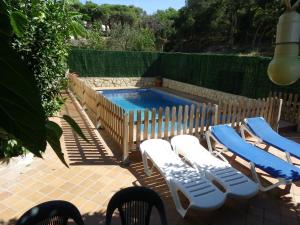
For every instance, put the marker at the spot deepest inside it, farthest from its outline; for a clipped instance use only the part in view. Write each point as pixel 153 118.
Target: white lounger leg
pixel 261 187
pixel 212 150
pixel 147 169
pixel 174 192
pixel 245 129
pixel 253 171
pixel 288 157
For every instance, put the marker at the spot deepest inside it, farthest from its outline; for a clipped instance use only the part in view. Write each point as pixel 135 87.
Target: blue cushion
pixel 263 160
pixel 262 129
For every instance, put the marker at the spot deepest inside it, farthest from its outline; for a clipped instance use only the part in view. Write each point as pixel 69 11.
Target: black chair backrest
pixel 135 205
pixel 52 212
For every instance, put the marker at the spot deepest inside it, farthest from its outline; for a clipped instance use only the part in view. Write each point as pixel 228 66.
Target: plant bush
pixel 44 45
pixel 23 123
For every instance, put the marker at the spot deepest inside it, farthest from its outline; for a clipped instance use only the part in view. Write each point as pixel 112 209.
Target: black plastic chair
pixel 135 205
pixel 52 212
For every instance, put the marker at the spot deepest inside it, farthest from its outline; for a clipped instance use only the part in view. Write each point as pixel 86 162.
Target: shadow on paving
pixel 94 218
pixel 272 207
pixel 79 151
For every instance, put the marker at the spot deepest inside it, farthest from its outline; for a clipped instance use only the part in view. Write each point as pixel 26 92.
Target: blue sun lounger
pixel 260 129
pixel 277 168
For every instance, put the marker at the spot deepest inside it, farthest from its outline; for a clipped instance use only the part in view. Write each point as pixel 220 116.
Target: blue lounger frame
pixel 245 128
pixel 293 170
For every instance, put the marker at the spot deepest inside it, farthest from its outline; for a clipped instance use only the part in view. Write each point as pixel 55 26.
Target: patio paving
pixel 95 175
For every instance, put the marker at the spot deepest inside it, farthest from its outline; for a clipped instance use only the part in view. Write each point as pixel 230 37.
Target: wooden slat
pixel 295 109
pixel 167 118
pixel 233 113
pixel 270 109
pixel 229 113
pixel 160 119
pixel 289 115
pixel 138 127
pixel 209 116
pixel 185 118
pixel 131 126
pixel 146 121
pixel 173 121
pixel 191 119
pixel 224 113
pixel 202 121
pixel 153 122
pixel 179 120
pixel 197 116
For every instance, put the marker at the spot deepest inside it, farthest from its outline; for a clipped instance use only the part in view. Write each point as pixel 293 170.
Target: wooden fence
pixel 290 107
pixel 234 112
pixel 168 122
pixel 102 112
pixel 129 129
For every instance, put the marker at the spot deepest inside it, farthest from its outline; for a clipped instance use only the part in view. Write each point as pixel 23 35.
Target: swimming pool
pixel 134 100
pixel 144 98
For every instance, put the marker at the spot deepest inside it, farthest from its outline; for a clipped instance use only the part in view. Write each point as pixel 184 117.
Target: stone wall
pixel 105 82
pixel 214 95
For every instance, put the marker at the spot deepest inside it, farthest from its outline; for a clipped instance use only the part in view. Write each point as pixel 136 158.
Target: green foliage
pixel 109 15
pixel 11 148
pixel 23 123
pixel 95 38
pixel 226 25
pixel 230 73
pixel 127 38
pixel 162 25
pixel 43 45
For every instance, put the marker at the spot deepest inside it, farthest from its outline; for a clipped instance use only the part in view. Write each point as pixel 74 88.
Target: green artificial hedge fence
pixel 92 63
pixel 242 75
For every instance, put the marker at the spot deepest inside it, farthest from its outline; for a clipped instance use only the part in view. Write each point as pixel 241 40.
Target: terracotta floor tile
pixel 67 196
pixel 4 195
pixel 56 193
pixel 91 184
pixel 67 186
pixel 8 214
pixel 35 196
pixel 46 189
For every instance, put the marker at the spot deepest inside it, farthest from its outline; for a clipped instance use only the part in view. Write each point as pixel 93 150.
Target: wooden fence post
pixel 276 113
pixel 125 139
pixel 216 114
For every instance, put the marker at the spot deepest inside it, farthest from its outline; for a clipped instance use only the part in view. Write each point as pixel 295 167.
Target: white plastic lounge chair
pixel 263 132
pixel 234 182
pixel 201 193
pixel 258 158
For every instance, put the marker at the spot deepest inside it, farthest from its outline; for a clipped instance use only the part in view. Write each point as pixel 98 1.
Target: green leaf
pixel 21 110
pixel 5 28
pixel 53 138
pixel 18 22
pixel 77 29
pixel 74 126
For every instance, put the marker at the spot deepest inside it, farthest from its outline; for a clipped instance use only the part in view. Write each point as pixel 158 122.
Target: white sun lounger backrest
pixel 201 193
pixel 189 147
pixel 234 182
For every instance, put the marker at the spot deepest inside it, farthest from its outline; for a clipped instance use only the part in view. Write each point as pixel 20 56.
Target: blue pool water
pixel 140 99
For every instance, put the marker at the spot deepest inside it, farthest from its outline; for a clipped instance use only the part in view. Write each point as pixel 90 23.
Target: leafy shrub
pixel 11 148
pixel 44 46
pixel 125 37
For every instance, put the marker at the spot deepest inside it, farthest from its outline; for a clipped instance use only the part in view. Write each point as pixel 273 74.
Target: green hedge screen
pixel 242 75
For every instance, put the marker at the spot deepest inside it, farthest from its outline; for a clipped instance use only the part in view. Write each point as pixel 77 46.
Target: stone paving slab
pixel 95 175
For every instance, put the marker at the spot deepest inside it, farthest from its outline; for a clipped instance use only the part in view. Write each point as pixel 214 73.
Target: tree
pixel 162 25
pixel 127 38
pixel 23 119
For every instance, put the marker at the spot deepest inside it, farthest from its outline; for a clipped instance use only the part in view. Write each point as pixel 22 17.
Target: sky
pixel 150 6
